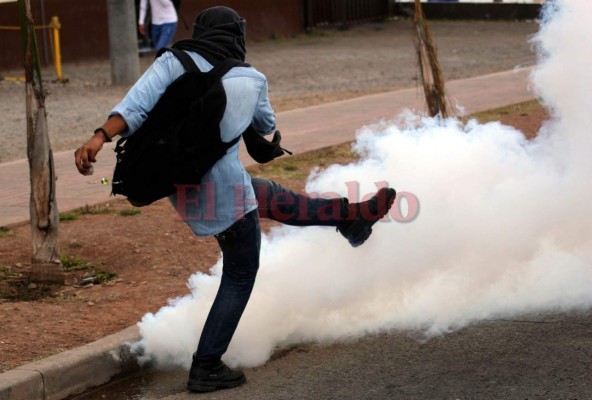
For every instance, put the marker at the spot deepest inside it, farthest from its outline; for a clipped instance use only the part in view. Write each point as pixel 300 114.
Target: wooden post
pixel 431 75
pixel 46 266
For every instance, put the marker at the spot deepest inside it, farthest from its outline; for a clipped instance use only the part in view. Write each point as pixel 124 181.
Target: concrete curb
pixel 72 371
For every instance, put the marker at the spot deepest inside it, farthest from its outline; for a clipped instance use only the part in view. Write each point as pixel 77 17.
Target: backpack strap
pixel 183 57
pixel 215 74
pixel 222 68
pixel 212 76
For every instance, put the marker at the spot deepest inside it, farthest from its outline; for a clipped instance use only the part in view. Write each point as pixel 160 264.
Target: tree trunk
pixel 431 75
pixel 46 266
pixel 123 42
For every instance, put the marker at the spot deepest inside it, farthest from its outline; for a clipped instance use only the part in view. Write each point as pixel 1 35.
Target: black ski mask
pixel 218 33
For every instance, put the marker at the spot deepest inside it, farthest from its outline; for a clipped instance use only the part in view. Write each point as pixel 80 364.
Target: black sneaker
pixel 357 225
pixel 207 376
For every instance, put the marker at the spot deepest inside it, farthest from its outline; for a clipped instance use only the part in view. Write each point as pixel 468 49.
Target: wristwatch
pixel 102 131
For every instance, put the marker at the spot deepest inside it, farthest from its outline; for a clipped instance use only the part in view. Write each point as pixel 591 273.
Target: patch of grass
pixel 103 276
pixel 5 232
pixel 495 114
pixel 127 212
pixel 299 166
pixel 96 210
pixel 74 263
pixel 72 216
pixel 96 278
pixel 86 210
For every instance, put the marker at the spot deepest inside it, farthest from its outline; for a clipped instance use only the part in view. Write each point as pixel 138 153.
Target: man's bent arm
pixel 86 154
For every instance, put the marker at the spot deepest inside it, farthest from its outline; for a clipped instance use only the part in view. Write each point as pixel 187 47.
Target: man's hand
pixel 142 29
pixel 86 154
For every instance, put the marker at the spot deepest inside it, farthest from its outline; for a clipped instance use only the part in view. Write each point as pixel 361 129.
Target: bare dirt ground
pixel 152 252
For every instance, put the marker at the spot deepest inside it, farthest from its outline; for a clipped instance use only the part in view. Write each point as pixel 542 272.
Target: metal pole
pixel 123 42
pixel 57 53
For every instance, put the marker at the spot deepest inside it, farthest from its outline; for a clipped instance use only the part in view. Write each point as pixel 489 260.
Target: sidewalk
pixel 302 130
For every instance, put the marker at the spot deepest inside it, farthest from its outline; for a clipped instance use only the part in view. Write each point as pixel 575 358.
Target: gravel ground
pixel 310 69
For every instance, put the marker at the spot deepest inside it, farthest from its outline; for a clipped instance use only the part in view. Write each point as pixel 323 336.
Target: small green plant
pixel 103 276
pixel 127 212
pixel 94 210
pixel 72 216
pixel 96 278
pixel 86 210
pixel 5 232
pixel 73 263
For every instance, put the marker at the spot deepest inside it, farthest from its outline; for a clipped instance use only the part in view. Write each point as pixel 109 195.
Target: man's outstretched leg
pixel 356 227
pixel 354 221
pixel 240 246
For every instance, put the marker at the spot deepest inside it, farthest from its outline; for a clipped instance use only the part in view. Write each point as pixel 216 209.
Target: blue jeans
pixel 162 35
pixel 283 205
pixel 240 245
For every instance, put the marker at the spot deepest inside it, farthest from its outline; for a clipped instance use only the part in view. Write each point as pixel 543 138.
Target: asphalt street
pixel 530 357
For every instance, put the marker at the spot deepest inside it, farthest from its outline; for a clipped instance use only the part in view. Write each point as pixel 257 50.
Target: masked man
pixel 219 33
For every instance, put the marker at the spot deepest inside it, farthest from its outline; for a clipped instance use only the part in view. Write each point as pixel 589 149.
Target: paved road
pixel 533 357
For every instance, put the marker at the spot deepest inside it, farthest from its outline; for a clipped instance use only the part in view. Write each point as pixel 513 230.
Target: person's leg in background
pixel 240 245
pixel 162 35
pixel 155 33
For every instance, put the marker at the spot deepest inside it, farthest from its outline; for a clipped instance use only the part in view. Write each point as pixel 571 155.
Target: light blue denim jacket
pixel 225 194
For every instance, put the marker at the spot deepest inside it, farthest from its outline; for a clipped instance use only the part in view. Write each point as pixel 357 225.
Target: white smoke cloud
pixel 504 228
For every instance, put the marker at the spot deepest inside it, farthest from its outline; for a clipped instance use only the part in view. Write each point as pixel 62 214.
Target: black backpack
pixel 180 139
